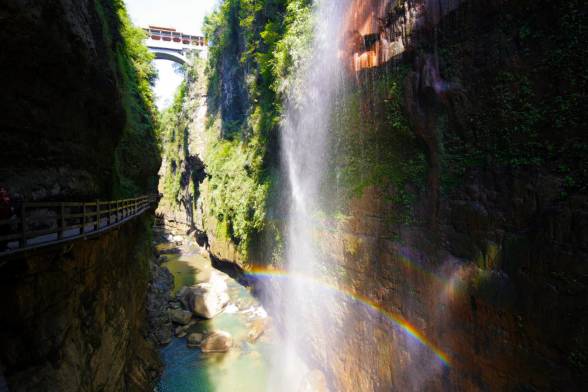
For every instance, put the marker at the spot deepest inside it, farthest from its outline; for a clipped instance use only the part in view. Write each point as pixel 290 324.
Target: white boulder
pixel 206 299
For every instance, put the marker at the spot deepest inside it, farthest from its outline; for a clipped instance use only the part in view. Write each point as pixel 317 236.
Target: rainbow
pixel 394 318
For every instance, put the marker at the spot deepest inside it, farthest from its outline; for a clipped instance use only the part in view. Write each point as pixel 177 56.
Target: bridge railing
pixel 40 224
pixel 170 35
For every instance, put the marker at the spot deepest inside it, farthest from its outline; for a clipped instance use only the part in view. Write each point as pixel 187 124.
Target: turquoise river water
pixel 245 367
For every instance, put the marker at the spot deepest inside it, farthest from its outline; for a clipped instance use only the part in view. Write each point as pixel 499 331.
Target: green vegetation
pixel 528 111
pixel 178 136
pixel 375 146
pixel 505 113
pixel 236 194
pixel 137 157
pixel 172 136
pixel 254 46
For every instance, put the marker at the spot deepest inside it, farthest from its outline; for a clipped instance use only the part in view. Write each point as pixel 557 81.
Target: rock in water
pixel 183 295
pixel 207 299
pixel 181 331
pixel 258 327
pixel 217 342
pixel 195 340
pixel 179 316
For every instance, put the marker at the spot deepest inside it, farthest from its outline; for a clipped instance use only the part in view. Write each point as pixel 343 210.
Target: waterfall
pixel 305 139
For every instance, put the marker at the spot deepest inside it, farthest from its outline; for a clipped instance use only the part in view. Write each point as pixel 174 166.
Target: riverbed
pixel 245 367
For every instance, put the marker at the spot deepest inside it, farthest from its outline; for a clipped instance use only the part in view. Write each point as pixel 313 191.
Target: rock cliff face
pixel 183 173
pixel 64 116
pixel 460 157
pixel 182 170
pixel 488 258
pixel 74 316
pixel 462 143
pixel 60 94
pixel 76 319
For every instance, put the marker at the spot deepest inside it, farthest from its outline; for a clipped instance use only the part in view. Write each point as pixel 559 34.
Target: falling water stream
pixel 305 301
pixel 305 148
pixel 277 363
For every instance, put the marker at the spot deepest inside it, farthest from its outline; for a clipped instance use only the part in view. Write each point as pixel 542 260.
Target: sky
pixel 186 16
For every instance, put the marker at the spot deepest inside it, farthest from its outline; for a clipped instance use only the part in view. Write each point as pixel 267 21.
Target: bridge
pixel 36 225
pixel 168 44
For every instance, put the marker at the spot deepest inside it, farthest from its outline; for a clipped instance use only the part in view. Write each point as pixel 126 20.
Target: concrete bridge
pixel 168 44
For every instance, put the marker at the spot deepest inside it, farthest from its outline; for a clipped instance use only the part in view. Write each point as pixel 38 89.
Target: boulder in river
pixel 175 304
pixel 182 296
pixel 195 340
pixel 258 327
pixel 180 316
pixel 181 331
pixel 217 342
pixel 206 299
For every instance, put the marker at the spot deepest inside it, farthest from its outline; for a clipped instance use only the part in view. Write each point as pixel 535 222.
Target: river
pixel 245 367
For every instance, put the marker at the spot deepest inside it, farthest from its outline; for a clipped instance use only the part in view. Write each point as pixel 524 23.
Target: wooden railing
pixel 41 224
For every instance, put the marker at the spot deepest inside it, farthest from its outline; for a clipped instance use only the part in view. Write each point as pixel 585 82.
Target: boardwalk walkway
pixel 42 224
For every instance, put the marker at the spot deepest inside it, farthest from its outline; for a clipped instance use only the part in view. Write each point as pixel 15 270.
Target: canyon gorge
pixel 396 193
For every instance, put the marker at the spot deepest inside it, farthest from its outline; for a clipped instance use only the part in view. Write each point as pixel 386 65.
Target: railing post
pixel 97 215
pixel 109 204
pixel 23 226
pixel 61 221
pixel 83 228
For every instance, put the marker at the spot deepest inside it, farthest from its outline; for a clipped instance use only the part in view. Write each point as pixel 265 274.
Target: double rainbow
pixel 394 318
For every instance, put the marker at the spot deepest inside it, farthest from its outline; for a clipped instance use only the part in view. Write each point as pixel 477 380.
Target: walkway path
pixel 43 224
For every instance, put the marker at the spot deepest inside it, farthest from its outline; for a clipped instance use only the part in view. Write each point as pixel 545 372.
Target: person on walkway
pixel 5 214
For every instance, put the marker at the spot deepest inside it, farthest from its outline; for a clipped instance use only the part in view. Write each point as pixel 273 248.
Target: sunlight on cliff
pixel 377 31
